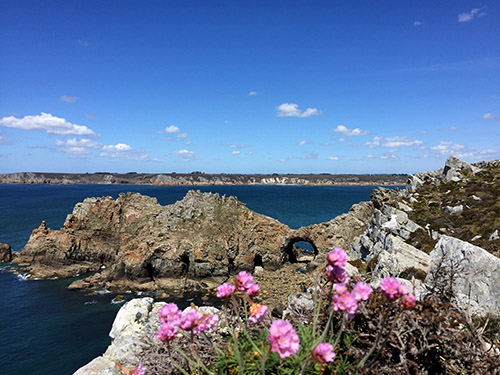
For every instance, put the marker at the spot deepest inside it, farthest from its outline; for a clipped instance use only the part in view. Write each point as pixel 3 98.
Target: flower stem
pixel 375 344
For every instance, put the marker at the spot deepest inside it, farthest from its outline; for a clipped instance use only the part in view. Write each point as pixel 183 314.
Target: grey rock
pixel 494 236
pixel 453 167
pixel 475 238
pixel 413 183
pixel 475 197
pixel 468 273
pixel 397 257
pixel 404 207
pixel 454 210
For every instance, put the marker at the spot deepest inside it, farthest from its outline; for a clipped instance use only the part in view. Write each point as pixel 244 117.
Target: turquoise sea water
pixel 47 329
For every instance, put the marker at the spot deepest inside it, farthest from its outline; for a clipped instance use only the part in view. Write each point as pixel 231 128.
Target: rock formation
pixel 135 243
pixel 5 252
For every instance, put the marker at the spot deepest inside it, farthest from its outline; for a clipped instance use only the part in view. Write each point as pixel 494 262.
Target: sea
pixel 46 328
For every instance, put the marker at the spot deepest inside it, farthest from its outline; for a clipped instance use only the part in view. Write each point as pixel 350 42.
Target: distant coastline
pixel 200 178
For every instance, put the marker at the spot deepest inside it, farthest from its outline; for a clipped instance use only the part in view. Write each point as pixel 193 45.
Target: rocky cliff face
pixel 135 243
pixel 426 234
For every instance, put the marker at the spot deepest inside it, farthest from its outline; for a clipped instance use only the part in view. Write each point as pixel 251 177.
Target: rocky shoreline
pixel 201 179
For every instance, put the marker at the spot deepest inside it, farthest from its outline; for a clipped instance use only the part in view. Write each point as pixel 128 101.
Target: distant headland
pixel 200 178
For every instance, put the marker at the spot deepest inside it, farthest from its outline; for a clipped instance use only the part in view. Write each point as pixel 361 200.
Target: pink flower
pixel 361 291
pixel 257 313
pixel 139 370
pixel 167 332
pixel 225 290
pixel 337 257
pixel 253 290
pixel 243 281
pixel 336 275
pixel 323 353
pixel 346 303
pixel 169 313
pixel 283 338
pixel 189 319
pixel 341 289
pixel 392 288
pixel 207 321
pixel 408 301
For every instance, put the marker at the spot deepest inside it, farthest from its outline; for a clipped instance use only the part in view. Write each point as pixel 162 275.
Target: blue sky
pixel 248 86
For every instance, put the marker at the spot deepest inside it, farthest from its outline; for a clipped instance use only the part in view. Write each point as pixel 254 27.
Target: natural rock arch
pixel 289 254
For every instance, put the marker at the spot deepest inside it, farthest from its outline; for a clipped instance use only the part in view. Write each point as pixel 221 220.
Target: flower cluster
pixel 323 353
pixel 393 289
pixel 283 338
pixel 344 300
pixel 244 283
pixel 191 319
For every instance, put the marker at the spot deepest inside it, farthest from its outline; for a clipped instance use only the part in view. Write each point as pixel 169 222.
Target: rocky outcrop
pixel 5 252
pixel 133 329
pixel 134 238
pixel 466 273
pixel 135 243
pixel 459 200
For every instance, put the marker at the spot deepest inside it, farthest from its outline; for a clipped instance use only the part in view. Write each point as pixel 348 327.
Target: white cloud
pixel 447 148
pixel 474 13
pixel 82 43
pixel 401 142
pixel 119 147
pixel 417 23
pixel 48 123
pixel 349 132
pixel 185 154
pixel 341 139
pixel 333 158
pixel 292 110
pixel 91 115
pixel 250 153
pixel 4 141
pixel 302 143
pixel 77 146
pixel 235 152
pixel 393 142
pixel 230 145
pixel 253 93
pixel 389 156
pixel 374 143
pixel 182 135
pixel 324 144
pixel 453 128
pixel 489 116
pixel 171 129
pixel 68 99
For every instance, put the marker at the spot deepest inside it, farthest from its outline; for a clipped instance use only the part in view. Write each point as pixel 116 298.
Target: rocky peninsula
pixel 199 178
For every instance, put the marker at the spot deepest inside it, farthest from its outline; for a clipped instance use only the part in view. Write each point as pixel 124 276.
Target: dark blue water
pixel 47 329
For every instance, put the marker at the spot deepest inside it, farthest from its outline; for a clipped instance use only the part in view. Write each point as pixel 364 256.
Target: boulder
pixel 453 167
pixel 5 252
pixel 466 273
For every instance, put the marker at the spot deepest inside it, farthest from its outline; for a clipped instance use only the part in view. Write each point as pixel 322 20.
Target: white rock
pixel 472 274
pixel 494 236
pixel 454 210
